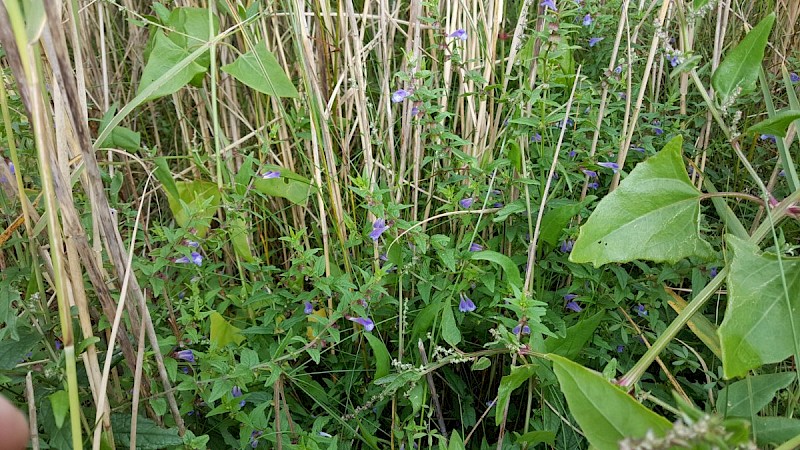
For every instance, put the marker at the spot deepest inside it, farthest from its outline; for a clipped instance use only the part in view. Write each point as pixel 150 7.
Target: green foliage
pixel 164 56
pixel 777 124
pixel 259 70
pixel 749 396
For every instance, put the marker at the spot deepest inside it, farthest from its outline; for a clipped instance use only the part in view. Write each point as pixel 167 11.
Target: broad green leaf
pixel 12 351
pixel 509 267
pixel 538 437
pixel 381 354
pixel 777 124
pixel 222 332
pixel 450 331
pixel 259 70
pixel 482 363
pixel 605 413
pixel 35 18
pixel 59 401
pixel 424 320
pixel 190 27
pixel 555 220
pixel 455 442
pixel 237 230
pixel 757 328
pixel 653 215
pixel 148 435
pixel 577 336
pixel 774 430
pixel 751 395
pixel 289 185
pixel 196 204
pixel 165 55
pixel 120 137
pixel 518 375
pixel 739 70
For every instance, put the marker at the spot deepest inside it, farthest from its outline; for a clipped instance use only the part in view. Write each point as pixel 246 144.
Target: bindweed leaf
pixel 450 331
pixel 222 332
pixel 509 267
pixel 518 375
pixel 259 70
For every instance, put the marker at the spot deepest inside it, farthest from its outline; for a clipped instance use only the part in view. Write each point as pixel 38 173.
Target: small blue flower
pixel 59 345
pixel 641 310
pixel 713 272
pixel 587 20
pixel 366 322
pixel 191 243
pixel 573 153
pixel 185 369
pixel 589 173
pixel 674 60
pixel 324 434
pixel 308 308
pixel 459 34
pixel 271 174
pixel 573 306
pixel 638 149
pixel 566 246
pixel 378 227
pixel 594 185
pixel 466 202
pixel 236 392
pixel 536 137
pixel 549 4
pixel 254 438
pixel 414 111
pixel 465 305
pixel 11 164
pixel 609 165
pixel 620 348
pixel 524 330
pixel 618 70
pixel 473 247
pixel 196 258
pixel 400 95
pixel 792 76
pixel 570 297
pixel 186 355
pixel 594 41
pixel 769 137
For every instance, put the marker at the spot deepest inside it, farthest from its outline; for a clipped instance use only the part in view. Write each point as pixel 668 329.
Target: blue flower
pixel 589 173
pixel 566 246
pixel 59 345
pixel 271 174
pixel 368 324
pixel 466 202
pixel 641 310
pixel 792 76
pixel 400 95
pixel 414 111
pixel 638 149
pixel 573 306
pixel 594 41
pixel 186 355
pixel 536 137
pixel 191 243
pixel 618 70
pixel 620 348
pixel 236 392
pixel 459 34
pixel 378 227
pixel 524 330
pixel 308 308
pixel 11 164
pixel 594 185
pixel 549 4
pixel 573 153
pixel 465 305
pixel 196 258
pixel 769 137
pixel 254 438
pixel 324 434
pixel 609 165
pixel 713 272
pixel 473 247
pixel 674 59
pixel 587 20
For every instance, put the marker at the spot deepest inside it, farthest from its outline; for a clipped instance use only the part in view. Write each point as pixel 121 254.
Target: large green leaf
pixel 223 333
pixel 739 70
pixel 191 27
pixel 749 396
pixel 450 331
pixel 518 375
pixel 653 215
pixel 164 56
pixel 148 434
pixel 774 430
pixel 259 70
pixel 237 232
pixel 777 124
pixel 757 328
pixel 605 413
pixel 577 336
pixel 289 185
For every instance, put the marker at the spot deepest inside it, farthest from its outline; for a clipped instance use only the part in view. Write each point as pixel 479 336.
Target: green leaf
pixel 165 55
pixel 749 396
pixel 222 332
pixel 164 176
pixel 509 267
pixel 450 331
pixel 289 185
pixel 555 220
pixel 381 354
pixel 148 434
pixel 455 442
pixel 482 363
pixel 757 328
pixel 120 137
pixel 59 401
pixel 538 437
pixel 190 26
pixel 259 70
pixel 196 205
pixel 739 69
pixel 605 413
pixel 653 215
pixel 577 336
pixel 518 375
pixel 777 124
pixel 12 351
pixel 774 430
pixel 237 231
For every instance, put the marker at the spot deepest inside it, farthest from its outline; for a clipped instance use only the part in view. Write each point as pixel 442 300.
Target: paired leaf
pixel 749 396
pixel 605 413
pixel 739 70
pixel 777 124
pixel 164 56
pixel 757 328
pixel 259 70
pixel 653 215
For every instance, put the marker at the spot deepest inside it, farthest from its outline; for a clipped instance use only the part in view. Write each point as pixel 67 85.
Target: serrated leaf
pixel 518 375
pixel 509 267
pixel 259 70
pixel 777 124
pixel 653 215
pixel 164 56
pixel 381 354
pixel 605 413
pixel 739 69
pixel 148 435
pixel 450 331
pixel 757 328
pixel 222 332
pixel 59 401
pixel 751 395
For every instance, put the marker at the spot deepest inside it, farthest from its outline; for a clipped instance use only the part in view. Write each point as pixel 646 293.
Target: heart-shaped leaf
pixel 259 70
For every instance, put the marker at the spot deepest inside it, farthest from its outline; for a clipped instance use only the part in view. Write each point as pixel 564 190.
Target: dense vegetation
pixel 383 224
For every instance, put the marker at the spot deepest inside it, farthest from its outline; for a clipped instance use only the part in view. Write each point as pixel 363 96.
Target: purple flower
pixel 620 348
pixel 308 308
pixel 658 130
pixel 782 173
pixel 622 96
pixel 566 246
pixel 594 185
pixel 573 153
pixel 638 149
pixel 674 60
pixel 536 137
pixel 414 111
pixel 186 355
pixel 11 164
pixel 59 345
pixel 473 247
pixel 368 324
pixel 324 434
pixel 465 305
pixel 574 306
pixel 400 95
pixel 459 34
pixel 589 173
pixel 713 272
pixel 549 4
pixel 378 227
pixel 618 70
pixel 466 202
pixel 792 76
pixel 587 20
pixel 254 438
pixel 570 297
pixel 594 41
pixel 191 243
pixel 609 165
pixel 185 369
pixel 236 392
pixel 769 137
pixel 525 330
pixel 498 205
pixel 640 310
pixel 196 258
pixel 271 174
